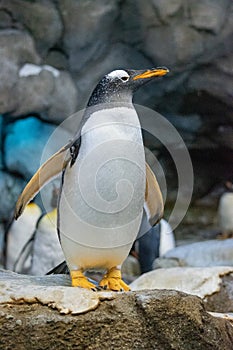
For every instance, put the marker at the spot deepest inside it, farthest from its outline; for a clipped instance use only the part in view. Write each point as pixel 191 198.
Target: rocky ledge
pixel 45 313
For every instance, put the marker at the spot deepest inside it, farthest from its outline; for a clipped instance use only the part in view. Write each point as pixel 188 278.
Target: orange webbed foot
pixel 112 281
pixel 78 279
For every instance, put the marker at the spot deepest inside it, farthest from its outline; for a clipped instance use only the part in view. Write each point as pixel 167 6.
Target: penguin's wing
pixel 153 205
pixel 50 169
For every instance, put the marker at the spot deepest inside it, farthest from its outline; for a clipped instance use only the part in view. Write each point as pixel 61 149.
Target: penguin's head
pixel 119 85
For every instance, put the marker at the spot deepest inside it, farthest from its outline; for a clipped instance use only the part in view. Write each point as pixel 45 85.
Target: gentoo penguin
pixel 225 212
pixel 17 236
pixel 108 192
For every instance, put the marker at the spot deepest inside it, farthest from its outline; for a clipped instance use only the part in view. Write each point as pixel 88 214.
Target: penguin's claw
pixel 79 280
pixel 112 281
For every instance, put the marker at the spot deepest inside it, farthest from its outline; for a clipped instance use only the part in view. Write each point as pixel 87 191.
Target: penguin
pixel 155 243
pixel 108 192
pixel 46 251
pixel 17 236
pixel 225 211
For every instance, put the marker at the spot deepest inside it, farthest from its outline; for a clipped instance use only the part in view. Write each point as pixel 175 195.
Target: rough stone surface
pixel 197 281
pixel 162 320
pixel 214 285
pixel 46 19
pixel 222 301
pixel 17 47
pixel 52 95
pixel 94 23
pixel 10 188
pixel 209 14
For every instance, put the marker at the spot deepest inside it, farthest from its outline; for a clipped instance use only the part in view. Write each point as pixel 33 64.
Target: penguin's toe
pixel 113 281
pixel 79 280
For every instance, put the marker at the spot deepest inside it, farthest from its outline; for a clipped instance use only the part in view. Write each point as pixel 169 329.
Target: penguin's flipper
pixel 153 198
pixel 50 169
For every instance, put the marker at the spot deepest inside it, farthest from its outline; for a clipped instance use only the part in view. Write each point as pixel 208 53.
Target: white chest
pixel 103 193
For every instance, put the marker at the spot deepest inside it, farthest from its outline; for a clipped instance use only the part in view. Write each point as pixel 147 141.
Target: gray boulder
pixel 17 47
pixel 162 319
pixel 94 24
pixel 40 18
pixel 10 188
pixel 209 15
pixel 44 89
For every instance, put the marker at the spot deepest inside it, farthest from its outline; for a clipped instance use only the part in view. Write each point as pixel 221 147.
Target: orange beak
pixel 150 73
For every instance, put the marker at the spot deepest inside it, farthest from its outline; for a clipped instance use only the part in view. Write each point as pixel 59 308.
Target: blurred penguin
pixel 17 236
pixel 46 251
pixel 225 212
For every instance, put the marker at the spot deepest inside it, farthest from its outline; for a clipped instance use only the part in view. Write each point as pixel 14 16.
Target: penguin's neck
pixel 102 96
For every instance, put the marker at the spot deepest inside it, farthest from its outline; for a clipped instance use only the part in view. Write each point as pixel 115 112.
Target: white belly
pixel 102 197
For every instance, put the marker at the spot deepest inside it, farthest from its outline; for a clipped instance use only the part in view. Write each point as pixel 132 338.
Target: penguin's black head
pixel 119 85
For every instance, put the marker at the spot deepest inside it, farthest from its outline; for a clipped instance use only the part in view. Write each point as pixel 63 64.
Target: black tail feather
pixel 61 269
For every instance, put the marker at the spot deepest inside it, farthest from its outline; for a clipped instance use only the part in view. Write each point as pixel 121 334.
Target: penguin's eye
pixel 125 78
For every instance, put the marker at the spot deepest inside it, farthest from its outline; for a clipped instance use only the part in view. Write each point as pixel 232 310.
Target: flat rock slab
pixel 200 281
pixel 55 291
pixel 156 319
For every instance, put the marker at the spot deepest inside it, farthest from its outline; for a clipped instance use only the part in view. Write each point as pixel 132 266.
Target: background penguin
pixel 43 249
pixel 225 212
pixel 46 250
pixel 155 243
pixel 89 237
pixel 17 236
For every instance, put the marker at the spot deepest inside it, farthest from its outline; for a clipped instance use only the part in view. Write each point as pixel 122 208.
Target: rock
pixel 10 187
pixel 210 81
pixel 38 18
pixel 31 136
pixel 209 14
pixel 64 99
pixel 163 319
pixel 168 9
pixel 6 20
pixel 202 282
pixel 1 144
pixel 222 301
pixel 57 59
pixel 94 30
pixel 17 47
pixel 171 47
pixel 207 253
pixel 46 90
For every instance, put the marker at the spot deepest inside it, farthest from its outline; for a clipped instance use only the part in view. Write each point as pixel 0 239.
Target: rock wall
pixel 54 52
